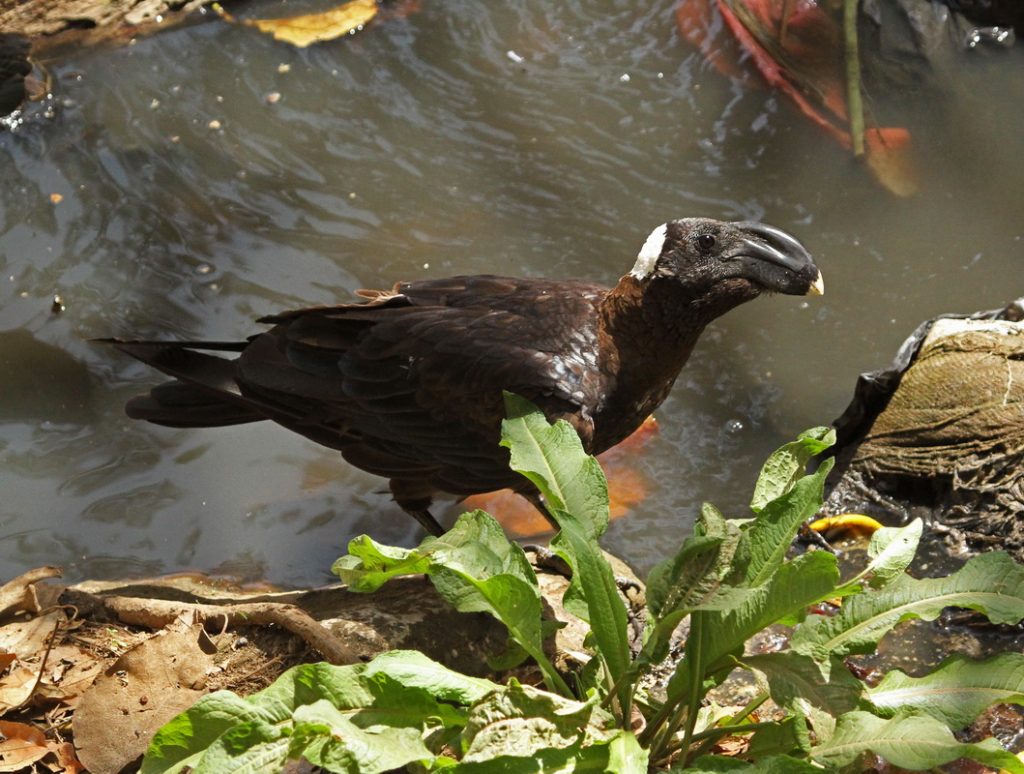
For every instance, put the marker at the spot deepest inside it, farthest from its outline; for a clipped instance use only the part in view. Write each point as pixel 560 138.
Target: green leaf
pixel 992 584
pixel 344 686
pixel 795 684
pixel 552 457
pixel 369 564
pixel 914 742
pixel 195 729
pixel 570 760
pixel 769 536
pixel 250 748
pixel 607 614
pixel 521 722
pixel 412 669
pixel 798 583
pixel 779 738
pixel 891 551
pixel 625 755
pixel 351 748
pixel 956 692
pixel 788 464
pixel 475 568
pixel 776 764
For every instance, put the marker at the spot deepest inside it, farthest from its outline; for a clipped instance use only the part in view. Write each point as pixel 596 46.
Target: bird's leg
pixel 426 520
pixel 415 498
pixel 537 501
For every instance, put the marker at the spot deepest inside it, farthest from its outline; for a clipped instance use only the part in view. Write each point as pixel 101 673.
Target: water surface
pixel 190 203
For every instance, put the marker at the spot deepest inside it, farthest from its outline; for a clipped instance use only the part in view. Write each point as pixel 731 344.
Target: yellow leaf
pixel 302 31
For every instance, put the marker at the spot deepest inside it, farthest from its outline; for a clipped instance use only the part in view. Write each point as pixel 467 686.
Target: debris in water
pixel 302 31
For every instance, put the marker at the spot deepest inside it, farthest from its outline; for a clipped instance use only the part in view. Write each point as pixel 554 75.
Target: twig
pixel 854 105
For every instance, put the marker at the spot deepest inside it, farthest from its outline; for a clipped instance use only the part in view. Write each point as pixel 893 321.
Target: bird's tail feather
pixel 204 393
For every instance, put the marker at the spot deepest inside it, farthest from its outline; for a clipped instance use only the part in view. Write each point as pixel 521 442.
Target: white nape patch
pixel 650 252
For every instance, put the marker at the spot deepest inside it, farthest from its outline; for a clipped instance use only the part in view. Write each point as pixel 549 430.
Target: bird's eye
pixel 706 241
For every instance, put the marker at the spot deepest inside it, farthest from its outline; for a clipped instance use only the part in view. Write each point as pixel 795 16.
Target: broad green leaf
pixel 521 722
pixel 788 464
pixel 914 742
pixel 369 564
pixel 552 457
pixel 609 621
pixel 992 584
pixel 956 692
pixel 251 748
pixel 795 684
pixel 351 748
pixel 195 729
pixel 625 755
pixel 776 764
pixel 780 738
pixel 891 551
pixel 686 579
pixel 474 567
pixel 344 686
pixel 769 536
pixel 798 583
pixel 412 669
pixel 569 760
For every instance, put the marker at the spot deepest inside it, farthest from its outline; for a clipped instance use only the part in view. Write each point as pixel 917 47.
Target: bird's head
pixel 740 259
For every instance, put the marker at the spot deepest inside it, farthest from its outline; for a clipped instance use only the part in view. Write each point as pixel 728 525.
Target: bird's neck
pixel 662 316
pixel 648 330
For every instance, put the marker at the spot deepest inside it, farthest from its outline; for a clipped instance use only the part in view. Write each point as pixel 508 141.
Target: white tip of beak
pixel 817 287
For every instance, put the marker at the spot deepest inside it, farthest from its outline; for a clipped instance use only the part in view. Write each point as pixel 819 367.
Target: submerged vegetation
pixel 731 580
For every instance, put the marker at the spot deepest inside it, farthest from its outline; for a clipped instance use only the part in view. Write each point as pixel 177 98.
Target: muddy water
pixel 191 201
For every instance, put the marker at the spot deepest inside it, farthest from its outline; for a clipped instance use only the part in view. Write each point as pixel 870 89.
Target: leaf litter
pixel 67 672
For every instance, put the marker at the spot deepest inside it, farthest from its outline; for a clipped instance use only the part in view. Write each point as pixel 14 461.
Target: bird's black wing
pixel 412 380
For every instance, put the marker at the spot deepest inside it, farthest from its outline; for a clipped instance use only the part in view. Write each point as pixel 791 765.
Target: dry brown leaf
pixel 16 687
pixel 63 759
pixel 28 638
pixel 137 694
pixel 70 670
pixel 22 745
pixel 302 31
pixel 19 595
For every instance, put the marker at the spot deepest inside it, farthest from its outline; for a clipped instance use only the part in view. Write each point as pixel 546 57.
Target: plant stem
pixel 734 721
pixel 696 682
pixel 552 679
pixel 663 742
pixel 854 106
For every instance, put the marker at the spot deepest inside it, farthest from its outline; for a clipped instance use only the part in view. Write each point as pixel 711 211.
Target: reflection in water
pixel 420 148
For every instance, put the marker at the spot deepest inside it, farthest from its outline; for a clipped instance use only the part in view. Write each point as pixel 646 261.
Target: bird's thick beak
pixel 777 260
pixel 817 287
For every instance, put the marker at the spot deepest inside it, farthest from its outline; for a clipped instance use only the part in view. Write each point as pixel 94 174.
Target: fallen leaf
pixel 19 595
pixel 121 704
pixel 21 746
pixel 889 159
pixel 70 670
pixel 28 638
pixel 302 31
pixel 56 198
pixel 800 54
pixel 67 761
pixel 16 688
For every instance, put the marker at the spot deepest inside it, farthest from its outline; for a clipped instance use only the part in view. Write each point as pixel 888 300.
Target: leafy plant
pixel 731 579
